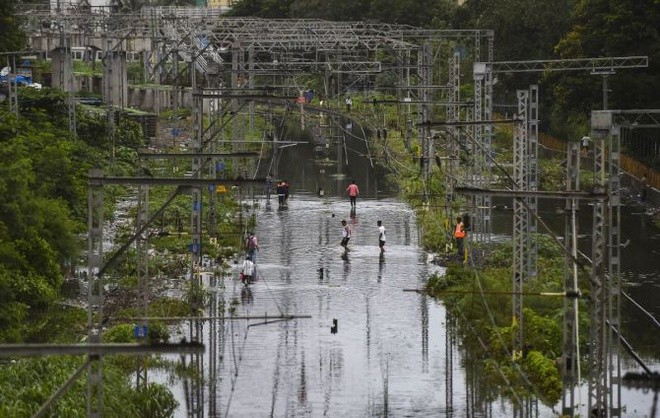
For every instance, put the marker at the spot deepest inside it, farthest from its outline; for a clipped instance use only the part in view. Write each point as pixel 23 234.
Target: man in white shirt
pixel 585 144
pixel 381 236
pixel 247 270
pixel 345 234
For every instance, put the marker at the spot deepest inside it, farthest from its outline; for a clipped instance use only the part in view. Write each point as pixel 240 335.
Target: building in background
pixel 220 4
pixel 95 5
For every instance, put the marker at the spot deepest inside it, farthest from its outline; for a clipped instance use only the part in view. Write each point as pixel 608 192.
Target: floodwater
pixel 379 360
pixel 390 355
pixel 640 280
pixel 393 352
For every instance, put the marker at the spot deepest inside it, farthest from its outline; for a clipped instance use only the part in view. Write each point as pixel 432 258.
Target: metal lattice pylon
pixel 570 351
pixel 597 363
pixel 95 295
pixel 453 135
pixel 532 179
pixel 195 395
pixel 480 172
pixel 520 219
pixel 13 87
pixel 604 359
pixel 614 269
pixel 142 247
pixel 424 61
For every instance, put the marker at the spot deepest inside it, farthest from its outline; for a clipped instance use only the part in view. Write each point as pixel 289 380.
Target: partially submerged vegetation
pixel 43 222
pixel 478 294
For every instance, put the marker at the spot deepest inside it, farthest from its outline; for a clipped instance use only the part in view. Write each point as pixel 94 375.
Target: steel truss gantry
pixel 604 370
pixel 142 267
pixel 525 157
pixel 95 295
pixel 263 47
pixel 570 371
pixel 636 118
pixel 250 47
pixel 525 178
pixel 596 65
pixel 520 219
pixel 483 85
pixel 604 362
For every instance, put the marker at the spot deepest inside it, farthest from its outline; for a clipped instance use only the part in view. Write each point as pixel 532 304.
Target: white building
pixel 69 4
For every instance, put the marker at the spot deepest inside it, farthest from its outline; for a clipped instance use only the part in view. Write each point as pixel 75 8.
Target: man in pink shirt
pixel 353 192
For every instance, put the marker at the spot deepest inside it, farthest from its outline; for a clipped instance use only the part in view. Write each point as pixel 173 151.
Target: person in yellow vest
pixel 459 234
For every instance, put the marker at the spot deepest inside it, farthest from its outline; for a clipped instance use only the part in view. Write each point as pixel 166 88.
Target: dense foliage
pixel 11 35
pixel 424 13
pixel 480 298
pixel 607 28
pixel 43 183
pixel 26 384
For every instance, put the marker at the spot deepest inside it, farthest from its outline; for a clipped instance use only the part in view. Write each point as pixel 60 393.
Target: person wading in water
pixel 459 234
pixel 381 236
pixel 353 192
pixel 247 271
pixel 345 235
pixel 252 246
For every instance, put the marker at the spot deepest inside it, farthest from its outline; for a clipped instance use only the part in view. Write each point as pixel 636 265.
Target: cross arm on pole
pixel 175 181
pixel 10 350
pixel 532 193
pixel 198 155
pixel 470 123
pixel 578 64
pixel 207 318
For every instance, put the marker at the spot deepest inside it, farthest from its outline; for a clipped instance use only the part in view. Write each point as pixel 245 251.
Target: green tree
pixel 341 10
pixel 407 12
pixel 609 28
pixel 12 311
pixel 272 9
pixel 425 13
pixel 43 190
pixel 12 37
pixel 524 29
pixel 26 384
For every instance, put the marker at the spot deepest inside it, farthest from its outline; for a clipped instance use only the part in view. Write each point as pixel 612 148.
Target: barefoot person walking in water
pixel 381 236
pixel 247 271
pixel 345 234
pixel 353 192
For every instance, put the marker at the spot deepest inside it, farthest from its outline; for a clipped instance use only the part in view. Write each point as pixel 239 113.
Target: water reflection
pixel 347 264
pixel 381 266
pixel 640 265
pixel 246 296
pixel 394 351
pixel 388 356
